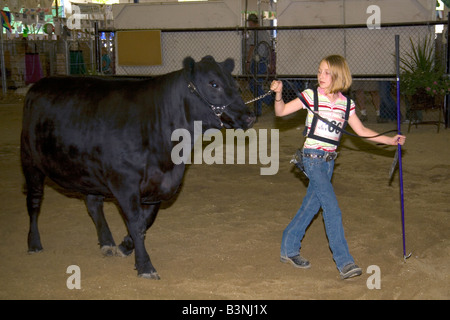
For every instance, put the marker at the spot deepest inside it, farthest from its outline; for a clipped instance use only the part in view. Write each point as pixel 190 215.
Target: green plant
pixel 421 72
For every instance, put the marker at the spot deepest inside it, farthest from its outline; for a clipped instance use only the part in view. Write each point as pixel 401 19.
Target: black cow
pixel 112 137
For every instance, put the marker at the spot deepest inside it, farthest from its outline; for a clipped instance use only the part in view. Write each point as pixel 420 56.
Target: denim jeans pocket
pixel 311 165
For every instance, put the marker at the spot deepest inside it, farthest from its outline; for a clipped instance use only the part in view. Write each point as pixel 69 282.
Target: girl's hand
pixel 398 139
pixel 276 86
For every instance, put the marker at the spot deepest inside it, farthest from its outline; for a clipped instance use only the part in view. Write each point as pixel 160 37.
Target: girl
pixel 318 158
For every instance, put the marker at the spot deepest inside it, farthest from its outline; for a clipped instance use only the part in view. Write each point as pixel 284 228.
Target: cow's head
pixel 218 93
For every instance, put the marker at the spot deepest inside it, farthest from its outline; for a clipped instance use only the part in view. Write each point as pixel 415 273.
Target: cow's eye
pixel 213 84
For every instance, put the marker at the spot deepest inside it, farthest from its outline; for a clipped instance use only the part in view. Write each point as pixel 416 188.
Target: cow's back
pixel 74 98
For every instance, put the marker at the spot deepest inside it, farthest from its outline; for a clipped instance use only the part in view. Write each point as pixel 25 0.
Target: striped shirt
pixel 327 109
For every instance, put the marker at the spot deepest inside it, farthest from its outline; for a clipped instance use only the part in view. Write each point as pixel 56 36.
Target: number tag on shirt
pixel 324 132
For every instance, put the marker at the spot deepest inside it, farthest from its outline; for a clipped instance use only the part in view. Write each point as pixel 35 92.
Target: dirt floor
pixel 220 238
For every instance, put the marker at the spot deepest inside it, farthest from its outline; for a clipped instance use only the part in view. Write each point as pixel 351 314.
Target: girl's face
pixel 324 76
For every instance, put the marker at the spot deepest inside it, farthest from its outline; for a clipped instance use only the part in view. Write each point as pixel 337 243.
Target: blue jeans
pixel 320 193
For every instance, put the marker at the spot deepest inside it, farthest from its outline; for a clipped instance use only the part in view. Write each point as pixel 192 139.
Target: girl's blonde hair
pixel 340 73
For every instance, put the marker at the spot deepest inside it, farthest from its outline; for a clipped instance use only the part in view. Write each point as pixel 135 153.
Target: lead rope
pixel 260 97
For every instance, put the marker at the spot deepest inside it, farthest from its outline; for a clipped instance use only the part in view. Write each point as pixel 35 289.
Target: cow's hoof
pixel 123 252
pixel 152 276
pixel 109 251
pixel 120 253
pixel 33 251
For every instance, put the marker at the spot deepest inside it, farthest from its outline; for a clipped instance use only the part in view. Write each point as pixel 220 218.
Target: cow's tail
pixel 26 123
pixel 27 107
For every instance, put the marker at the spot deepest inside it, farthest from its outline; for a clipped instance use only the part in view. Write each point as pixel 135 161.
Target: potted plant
pixel 422 80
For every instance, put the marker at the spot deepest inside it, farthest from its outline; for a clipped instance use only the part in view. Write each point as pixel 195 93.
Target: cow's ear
pixel 188 64
pixel 229 65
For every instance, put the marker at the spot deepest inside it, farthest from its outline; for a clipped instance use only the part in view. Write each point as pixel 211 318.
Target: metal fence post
pixel 447 97
pixel 4 85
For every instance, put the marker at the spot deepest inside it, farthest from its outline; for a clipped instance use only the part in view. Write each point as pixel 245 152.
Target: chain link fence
pixel 295 55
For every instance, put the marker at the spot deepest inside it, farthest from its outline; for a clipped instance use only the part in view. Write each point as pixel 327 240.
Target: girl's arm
pixel 361 130
pixel 281 108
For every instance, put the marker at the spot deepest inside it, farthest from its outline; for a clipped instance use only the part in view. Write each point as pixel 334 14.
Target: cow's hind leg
pixel 138 223
pixel 35 192
pixel 94 204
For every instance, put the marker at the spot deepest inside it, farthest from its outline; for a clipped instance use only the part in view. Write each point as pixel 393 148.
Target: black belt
pixel 328 156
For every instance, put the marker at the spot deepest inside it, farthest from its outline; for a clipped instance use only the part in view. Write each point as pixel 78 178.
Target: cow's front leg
pixel 138 218
pixel 137 230
pixel 150 212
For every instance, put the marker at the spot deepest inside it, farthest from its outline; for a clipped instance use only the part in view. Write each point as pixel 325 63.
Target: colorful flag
pixel 6 20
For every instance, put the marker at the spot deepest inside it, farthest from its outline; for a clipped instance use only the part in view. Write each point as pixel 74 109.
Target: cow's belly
pixel 85 184
pixel 88 178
